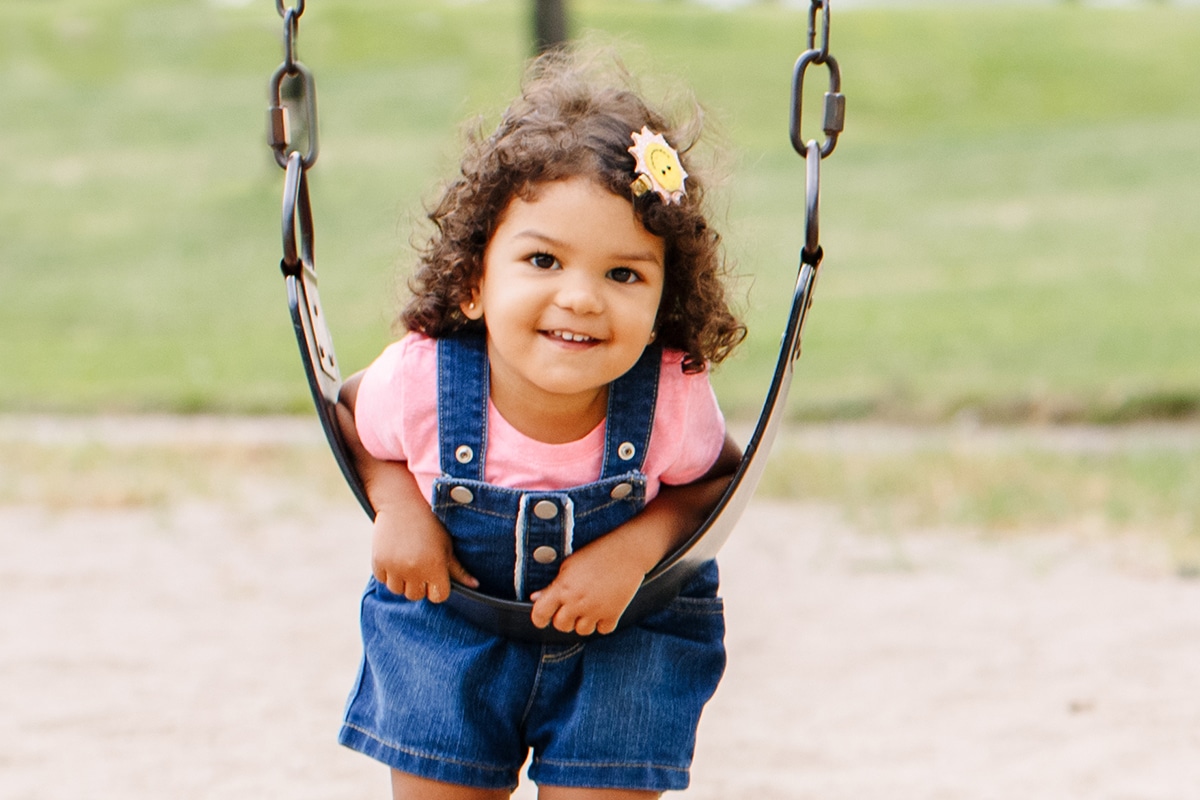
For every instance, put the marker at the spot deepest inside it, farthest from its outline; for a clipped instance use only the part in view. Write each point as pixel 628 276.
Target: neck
pixel 555 420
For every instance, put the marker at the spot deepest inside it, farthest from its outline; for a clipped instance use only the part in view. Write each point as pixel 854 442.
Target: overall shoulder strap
pixel 462 381
pixel 631 401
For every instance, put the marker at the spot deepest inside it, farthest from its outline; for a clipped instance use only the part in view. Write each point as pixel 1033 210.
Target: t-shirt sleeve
pixel 689 424
pixel 379 407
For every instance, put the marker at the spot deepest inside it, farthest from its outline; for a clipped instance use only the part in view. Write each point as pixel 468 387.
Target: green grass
pixel 1146 492
pixel 1009 220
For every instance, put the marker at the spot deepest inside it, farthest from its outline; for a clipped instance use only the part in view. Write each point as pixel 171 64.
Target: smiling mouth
pixel 569 336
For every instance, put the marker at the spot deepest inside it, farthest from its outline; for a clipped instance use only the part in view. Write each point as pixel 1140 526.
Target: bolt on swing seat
pixel 511 618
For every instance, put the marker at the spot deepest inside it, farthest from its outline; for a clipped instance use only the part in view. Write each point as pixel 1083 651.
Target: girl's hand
pixel 596 583
pixel 592 589
pixel 411 554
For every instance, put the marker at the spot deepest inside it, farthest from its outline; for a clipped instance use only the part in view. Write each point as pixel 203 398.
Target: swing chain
pixel 292 89
pixel 817 6
pixel 833 123
pixel 835 101
pixel 282 9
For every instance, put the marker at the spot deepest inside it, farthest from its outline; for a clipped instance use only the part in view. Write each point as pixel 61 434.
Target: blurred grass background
pixel 1009 221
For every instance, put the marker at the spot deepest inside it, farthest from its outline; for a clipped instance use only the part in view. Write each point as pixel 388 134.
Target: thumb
pixel 460 574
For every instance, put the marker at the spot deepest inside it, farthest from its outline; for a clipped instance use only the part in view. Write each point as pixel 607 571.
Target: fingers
pixel 414 589
pixel 547 611
pixel 458 573
pixel 435 590
pixel 584 626
pixel 438 591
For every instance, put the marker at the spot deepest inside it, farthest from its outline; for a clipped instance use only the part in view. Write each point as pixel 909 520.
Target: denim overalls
pixel 440 698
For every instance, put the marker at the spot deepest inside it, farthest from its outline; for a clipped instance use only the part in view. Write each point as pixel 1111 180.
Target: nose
pixel 580 293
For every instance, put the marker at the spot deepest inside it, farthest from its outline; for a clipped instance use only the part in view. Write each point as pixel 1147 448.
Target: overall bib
pixel 443 699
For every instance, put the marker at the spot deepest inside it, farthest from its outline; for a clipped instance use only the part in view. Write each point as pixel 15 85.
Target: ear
pixel 472 308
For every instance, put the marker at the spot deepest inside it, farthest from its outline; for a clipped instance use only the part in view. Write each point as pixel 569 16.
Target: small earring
pixel 653 336
pixel 471 305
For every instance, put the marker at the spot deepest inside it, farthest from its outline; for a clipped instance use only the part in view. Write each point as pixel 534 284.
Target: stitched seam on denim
pixel 565 655
pixel 595 509
pixel 610 764
pixel 488 512
pixel 443 415
pixel 491 487
pixel 698 606
pixel 483 435
pixel 423 754
pixel 533 690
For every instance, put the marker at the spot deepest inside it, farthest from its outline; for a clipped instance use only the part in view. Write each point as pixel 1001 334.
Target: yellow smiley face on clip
pixel 665 165
pixel 657 166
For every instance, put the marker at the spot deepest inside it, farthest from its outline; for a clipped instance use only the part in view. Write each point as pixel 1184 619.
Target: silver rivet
pixel 625 450
pixel 545 509
pixel 461 494
pixel 621 491
pixel 464 454
pixel 545 555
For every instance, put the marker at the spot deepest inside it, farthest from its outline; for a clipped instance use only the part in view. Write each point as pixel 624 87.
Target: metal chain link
pixel 813 10
pixel 835 102
pixel 833 123
pixel 303 90
pixel 294 80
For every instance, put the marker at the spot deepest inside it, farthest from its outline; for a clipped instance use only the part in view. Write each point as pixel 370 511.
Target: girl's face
pixel 570 292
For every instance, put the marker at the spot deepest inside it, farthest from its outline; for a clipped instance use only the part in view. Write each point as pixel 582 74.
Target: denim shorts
pixel 439 698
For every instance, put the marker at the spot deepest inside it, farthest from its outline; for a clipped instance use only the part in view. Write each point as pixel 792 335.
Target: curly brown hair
pixel 570 122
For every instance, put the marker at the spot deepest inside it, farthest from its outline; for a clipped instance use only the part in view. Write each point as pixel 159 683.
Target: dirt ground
pixel 203 648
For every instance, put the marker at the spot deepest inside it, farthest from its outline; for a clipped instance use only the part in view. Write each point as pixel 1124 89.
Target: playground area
pixel 178 607
pixel 972 570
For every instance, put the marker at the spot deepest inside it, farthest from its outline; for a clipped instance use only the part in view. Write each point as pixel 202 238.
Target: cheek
pixel 646 314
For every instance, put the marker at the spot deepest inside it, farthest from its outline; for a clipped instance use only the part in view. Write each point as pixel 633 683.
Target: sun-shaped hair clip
pixel 657 166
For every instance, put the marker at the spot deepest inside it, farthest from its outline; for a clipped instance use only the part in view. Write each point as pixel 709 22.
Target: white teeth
pixel 571 337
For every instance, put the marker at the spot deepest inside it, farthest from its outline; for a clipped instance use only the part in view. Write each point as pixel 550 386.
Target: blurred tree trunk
pixel 549 24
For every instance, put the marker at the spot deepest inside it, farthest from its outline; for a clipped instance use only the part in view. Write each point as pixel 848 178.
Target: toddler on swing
pixel 545 431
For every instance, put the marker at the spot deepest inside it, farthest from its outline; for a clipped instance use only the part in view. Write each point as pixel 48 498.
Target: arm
pixel 411 553
pixel 596 582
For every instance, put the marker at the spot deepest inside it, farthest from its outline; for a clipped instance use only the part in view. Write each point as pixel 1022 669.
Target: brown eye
pixel 624 275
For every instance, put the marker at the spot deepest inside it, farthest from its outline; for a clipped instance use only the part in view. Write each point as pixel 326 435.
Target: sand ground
pixel 202 647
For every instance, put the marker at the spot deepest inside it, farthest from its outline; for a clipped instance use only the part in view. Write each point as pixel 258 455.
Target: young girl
pixel 546 432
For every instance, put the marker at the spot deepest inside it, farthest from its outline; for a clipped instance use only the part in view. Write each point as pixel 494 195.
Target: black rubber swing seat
pixel 511 618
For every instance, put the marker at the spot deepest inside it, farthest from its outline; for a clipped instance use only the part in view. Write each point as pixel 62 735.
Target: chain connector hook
pixel 279 134
pixel 302 91
pixel 835 103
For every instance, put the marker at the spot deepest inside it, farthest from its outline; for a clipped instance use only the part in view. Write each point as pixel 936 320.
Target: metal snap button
pixel 464 454
pixel 461 494
pixel 545 555
pixel 625 450
pixel 545 509
pixel 621 491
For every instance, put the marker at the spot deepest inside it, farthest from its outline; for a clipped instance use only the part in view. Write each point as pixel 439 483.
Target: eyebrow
pixel 640 256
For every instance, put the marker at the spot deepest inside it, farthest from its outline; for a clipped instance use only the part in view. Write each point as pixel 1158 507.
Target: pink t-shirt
pixel 396 418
